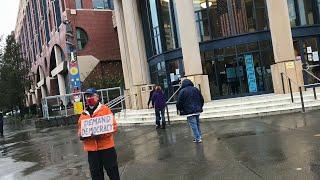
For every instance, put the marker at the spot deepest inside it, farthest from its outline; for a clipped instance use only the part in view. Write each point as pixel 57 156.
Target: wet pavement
pixel 276 147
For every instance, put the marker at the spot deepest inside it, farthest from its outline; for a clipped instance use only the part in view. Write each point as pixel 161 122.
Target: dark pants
pixel 106 159
pixel 158 113
pixel 1 127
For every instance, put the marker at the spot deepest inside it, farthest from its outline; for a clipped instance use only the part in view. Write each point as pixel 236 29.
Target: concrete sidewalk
pixel 275 147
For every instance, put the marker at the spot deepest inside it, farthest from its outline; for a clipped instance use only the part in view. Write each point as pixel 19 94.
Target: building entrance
pixel 240 75
pixel 307 50
pixel 239 70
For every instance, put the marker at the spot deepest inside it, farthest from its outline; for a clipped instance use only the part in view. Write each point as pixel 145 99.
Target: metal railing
pixel 290 81
pixel 312 75
pixel 168 102
pixel 63 105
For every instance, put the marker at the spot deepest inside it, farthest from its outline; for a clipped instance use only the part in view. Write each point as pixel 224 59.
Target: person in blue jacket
pixel 159 103
pixel 190 103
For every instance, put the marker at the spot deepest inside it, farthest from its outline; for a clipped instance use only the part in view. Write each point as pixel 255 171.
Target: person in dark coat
pixel 190 103
pixel 150 98
pixel 159 105
pixel 1 124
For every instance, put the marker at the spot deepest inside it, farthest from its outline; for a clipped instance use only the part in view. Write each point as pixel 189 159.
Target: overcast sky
pixel 8 16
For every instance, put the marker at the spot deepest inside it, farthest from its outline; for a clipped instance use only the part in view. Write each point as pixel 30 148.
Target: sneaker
pixel 158 127
pixel 200 141
pixel 194 140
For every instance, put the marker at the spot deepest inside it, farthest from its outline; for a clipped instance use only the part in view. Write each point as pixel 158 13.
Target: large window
pixel 160 26
pixel 155 26
pixel 46 22
pixel 304 12
pixel 202 20
pixel 167 21
pixel 82 38
pixel 78 4
pixel 224 18
pixel 36 17
pixel 292 13
pixel 102 4
pixel 319 8
pixel 57 12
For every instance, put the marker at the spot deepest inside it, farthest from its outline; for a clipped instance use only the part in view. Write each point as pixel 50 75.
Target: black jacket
pixel 190 99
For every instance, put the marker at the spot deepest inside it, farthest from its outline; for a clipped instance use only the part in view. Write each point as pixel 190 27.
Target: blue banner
pixel 251 75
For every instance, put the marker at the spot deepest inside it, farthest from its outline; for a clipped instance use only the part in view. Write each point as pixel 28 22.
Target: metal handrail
pixel 174 94
pixel 115 103
pixel 300 89
pixel 312 75
pixel 167 109
pixel 114 100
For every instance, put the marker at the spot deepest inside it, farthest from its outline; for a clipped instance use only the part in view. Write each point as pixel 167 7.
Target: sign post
pixel 73 67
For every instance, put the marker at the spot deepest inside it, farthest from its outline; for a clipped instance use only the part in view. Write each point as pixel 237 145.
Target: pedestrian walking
pixel 190 103
pixel 101 148
pixel 159 106
pixel 150 98
pixel 1 123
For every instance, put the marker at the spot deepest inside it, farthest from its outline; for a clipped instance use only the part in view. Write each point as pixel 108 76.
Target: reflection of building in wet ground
pixel 259 148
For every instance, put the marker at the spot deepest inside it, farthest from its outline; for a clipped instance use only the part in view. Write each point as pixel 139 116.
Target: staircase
pixel 235 108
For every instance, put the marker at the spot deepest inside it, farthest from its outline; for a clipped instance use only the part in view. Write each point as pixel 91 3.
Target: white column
pixel 280 29
pixel 190 47
pixel 189 37
pixel 62 84
pixel 123 43
pixel 136 45
pixel 43 91
pixel 283 49
pixel 58 55
pixel 34 98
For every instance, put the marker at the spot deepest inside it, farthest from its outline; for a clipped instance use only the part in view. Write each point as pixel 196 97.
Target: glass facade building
pixel 235 42
pixel 221 27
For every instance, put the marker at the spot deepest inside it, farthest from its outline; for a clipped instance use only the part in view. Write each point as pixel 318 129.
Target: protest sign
pixel 97 126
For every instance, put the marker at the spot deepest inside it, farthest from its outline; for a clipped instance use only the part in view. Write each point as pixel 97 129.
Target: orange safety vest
pixel 104 141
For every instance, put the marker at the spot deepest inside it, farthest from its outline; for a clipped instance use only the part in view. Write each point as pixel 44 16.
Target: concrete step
pixel 236 108
pixel 227 108
pixel 242 101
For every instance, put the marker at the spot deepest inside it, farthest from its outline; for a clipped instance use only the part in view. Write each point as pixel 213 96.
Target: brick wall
pixel 102 37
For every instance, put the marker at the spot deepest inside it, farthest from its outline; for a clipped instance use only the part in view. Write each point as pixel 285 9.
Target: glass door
pixel 227 76
pixel 307 50
pixel 251 73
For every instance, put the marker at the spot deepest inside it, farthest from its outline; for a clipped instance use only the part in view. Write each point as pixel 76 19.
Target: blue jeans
pixel 194 124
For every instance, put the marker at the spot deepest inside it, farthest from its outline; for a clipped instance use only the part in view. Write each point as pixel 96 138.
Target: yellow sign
pixel 74 70
pixel 289 65
pixel 77 107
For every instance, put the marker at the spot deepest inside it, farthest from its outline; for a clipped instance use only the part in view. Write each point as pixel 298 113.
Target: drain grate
pixel 236 134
